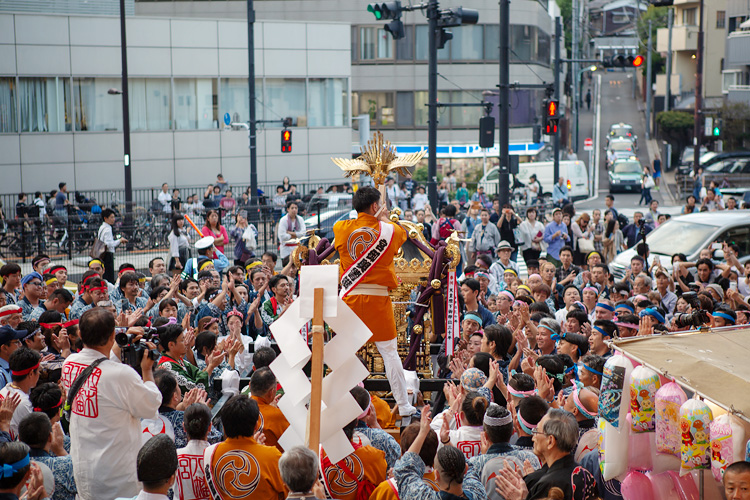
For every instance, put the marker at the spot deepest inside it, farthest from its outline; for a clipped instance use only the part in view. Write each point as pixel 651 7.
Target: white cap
pixel 204 243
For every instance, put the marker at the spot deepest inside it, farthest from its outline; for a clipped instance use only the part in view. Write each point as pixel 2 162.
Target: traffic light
pixel 389 10
pixel 551 116
pixel 286 141
pixel 623 61
pixel 717 127
pixel 443 36
pixel 457 16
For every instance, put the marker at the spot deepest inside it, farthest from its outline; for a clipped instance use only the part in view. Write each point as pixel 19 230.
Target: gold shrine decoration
pixel 377 160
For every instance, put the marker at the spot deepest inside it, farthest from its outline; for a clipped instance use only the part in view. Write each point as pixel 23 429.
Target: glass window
pixel 8 121
pixel 491 42
pixel 405 46
pixel 691 236
pixel 522 108
pixel 721 18
pixel 521 40
pixel 422 41
pixel 467 43
pixel 366 43
pixel 421 112
pixel 45 104
pixel 150 104
pixel 405 109
pixel 94 109
pixel 543 47
pixel 688 16
pixel 379 105
pixel 385 44
pixel 327 102
pixel 286 97
pixel 466 116
pixel 234 98
pixel 196 103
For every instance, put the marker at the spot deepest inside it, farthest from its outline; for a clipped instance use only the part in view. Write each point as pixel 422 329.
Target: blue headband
pixel 592 370
pixel 562 337
pixel 624 306
pixel 474 317
pixel 725 316
pixel 555 335
pixel 605 306
pixel 652 312
pixel 601 330
pixel 9 470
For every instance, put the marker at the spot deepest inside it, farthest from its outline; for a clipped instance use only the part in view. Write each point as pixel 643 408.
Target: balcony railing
pixel 738 49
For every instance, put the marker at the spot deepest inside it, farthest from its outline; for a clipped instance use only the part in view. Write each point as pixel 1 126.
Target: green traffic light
pixel 375 10
pixel 717 132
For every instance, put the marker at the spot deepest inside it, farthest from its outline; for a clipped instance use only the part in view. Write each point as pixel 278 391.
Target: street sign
pixel 227 119
pixel 588 144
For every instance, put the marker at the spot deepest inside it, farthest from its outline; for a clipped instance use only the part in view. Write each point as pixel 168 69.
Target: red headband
pixel 67 324
pixel 54 269
pixel 26 371
pixel 102 288
pixel 126 270
pixel 11 311
pixel 58 405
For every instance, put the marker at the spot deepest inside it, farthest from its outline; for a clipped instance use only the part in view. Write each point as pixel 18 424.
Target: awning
pixel 715 365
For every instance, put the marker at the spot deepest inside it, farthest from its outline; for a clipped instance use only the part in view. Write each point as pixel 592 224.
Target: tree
pixel 566 12
pixel 659 16
pixel 675 127
pixel 736 125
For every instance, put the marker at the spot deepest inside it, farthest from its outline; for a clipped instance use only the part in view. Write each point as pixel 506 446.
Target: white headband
pixel 497 421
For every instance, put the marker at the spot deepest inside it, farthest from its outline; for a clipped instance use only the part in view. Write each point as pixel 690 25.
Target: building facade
pixel 736 74
pixel 684 45
pixel 58 122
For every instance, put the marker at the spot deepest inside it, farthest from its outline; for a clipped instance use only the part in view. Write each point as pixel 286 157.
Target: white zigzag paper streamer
pixel 339 407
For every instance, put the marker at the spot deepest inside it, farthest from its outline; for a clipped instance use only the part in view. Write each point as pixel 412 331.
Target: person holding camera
pixel 106 409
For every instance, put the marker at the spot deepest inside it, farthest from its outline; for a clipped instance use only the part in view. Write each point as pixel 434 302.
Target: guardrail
pixel 685 183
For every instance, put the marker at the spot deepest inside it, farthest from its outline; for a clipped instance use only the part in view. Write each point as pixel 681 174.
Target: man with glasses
pixel 10 341
pixel 32 285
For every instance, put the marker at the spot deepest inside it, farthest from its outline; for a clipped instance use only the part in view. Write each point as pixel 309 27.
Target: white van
pixel 575 173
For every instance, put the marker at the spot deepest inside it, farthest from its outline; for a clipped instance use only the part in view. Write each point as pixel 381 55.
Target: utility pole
pixel 432 19
pixel 698 92
pixel 126 121
pixel 558 40
pixel 252 130
pixel 574 75
pixel 648 84
pixel 670 21
pixel 503 179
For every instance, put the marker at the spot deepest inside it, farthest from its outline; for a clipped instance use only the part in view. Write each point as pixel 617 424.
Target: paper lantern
pixel 727 438
pixel 615 389
pixel 695 419
pixel 669 399
pixel 644 382
pixel 636 486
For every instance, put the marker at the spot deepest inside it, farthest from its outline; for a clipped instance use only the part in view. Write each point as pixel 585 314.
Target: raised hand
pixel 61 342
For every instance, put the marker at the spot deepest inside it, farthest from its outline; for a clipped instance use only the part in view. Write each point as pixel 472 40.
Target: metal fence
pixel 144 197
pixel 68 240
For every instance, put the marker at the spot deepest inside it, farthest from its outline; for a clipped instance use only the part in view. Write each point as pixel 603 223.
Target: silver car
pixel 689 234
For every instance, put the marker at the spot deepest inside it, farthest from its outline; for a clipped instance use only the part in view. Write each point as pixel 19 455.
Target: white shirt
pixel 287 224
pixel 166 201
pixel 418 201
pixel 23 409
pixel 466 438
pixel 144 495
pixel 105 427
pixel 106 237
pixel 190 483
pixel 243 361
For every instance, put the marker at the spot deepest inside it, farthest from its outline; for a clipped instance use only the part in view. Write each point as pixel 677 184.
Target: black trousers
pixel 108 258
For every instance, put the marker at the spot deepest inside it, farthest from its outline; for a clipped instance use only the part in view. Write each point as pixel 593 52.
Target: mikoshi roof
pixel 713 364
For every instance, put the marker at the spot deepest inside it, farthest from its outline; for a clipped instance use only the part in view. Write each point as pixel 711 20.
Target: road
pixel 616 104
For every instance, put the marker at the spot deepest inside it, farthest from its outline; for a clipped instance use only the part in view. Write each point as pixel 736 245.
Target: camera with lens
pixel 133 348
pixel 696 318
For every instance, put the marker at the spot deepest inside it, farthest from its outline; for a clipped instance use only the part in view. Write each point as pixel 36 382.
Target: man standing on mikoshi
pixel 366 247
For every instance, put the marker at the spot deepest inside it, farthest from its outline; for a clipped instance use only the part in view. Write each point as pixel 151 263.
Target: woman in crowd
pixel 245 239
pixel 179 245
pixel 531 235
pixel 214 228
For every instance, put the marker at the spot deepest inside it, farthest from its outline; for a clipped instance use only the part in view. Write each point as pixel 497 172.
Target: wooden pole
pixel 316 373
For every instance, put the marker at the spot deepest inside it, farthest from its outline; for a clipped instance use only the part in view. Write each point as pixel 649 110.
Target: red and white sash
pixel 208 456
pixel 365 262
pixel 452 319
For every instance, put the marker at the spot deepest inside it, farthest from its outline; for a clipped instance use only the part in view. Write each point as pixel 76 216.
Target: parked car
pixel 323 224
pixel 710 158
pixel 687 156
pixel 624 131
pixel 689 234
pixel 626 175
pixel 623 149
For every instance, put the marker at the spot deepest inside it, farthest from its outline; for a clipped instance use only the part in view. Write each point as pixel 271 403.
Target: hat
pixel 8 333
pixel 472 379
pixel 204 243
pixel 556 210
pixel 716 288
pixel 660 271
pixel 505 245
pixel 157 459
pixel 30 277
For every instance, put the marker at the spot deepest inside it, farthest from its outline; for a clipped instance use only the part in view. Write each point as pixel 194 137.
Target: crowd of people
pixel 109 383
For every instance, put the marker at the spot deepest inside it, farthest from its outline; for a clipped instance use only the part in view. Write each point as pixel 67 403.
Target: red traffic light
pixel 286 141
pixel 637 61
pixel 551 108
